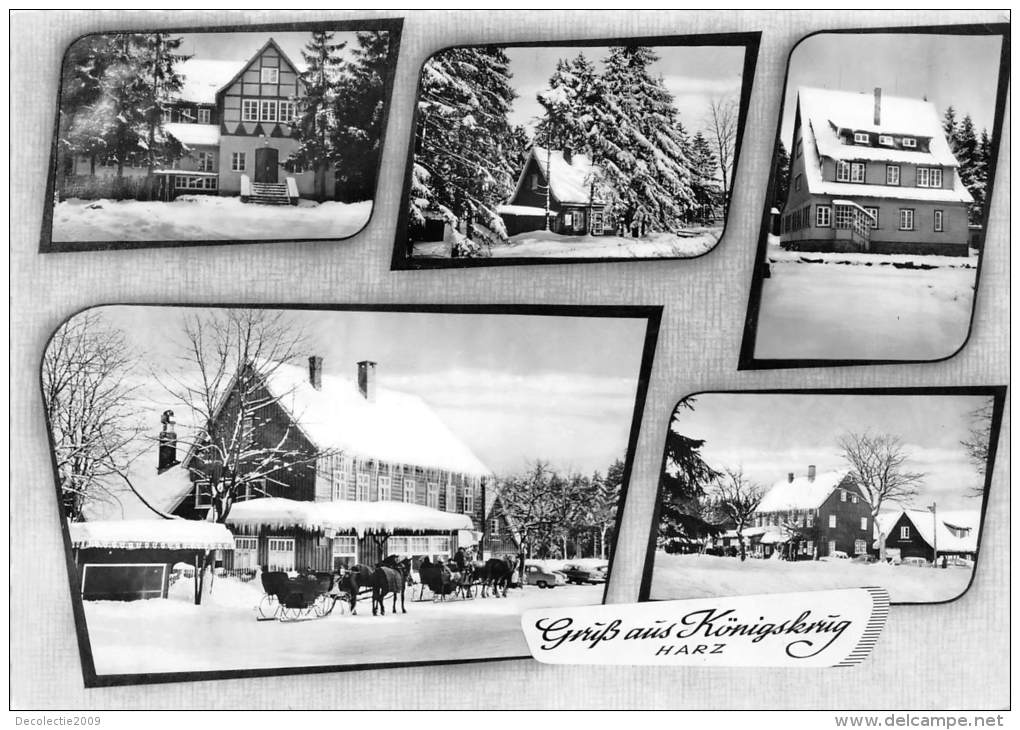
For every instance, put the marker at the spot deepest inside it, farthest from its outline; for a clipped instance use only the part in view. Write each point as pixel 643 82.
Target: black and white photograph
pixel 309 488
pixel 191 137
pixel 586 150
pixel 882 180
pixel 771 492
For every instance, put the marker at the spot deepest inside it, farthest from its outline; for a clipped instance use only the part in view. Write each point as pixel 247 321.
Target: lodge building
pixel 872 173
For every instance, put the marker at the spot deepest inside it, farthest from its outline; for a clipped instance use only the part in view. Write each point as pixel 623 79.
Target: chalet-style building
pixel 921 533
pixel 236 122
pixel 392 478
pixel 872 173
pixel 574 204
pixel 812 516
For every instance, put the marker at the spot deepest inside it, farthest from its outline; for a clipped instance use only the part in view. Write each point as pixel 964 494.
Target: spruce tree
pixel 705 182
pixel 359 109
pixel 465 152
pixel 316 125
pixel 950 126
pixel 781 173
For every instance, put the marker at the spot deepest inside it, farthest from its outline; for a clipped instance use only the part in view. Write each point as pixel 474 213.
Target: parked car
pixel 865 558
pixel 538 575
pixel 579 574
pixel 916 562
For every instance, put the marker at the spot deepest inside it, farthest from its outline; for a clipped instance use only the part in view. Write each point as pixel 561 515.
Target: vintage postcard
pixel 262 134
pixel 583 150
pixel 328 489
pixel 775 491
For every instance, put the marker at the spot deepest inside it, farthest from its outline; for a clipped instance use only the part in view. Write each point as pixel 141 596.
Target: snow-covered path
pixel 204 217
pixel 543 244
pixel 833 311
pixel 174 635
pixel 707 576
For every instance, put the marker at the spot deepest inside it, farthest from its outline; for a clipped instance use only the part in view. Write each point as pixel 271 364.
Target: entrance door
pixel 597 222
pixel 267 165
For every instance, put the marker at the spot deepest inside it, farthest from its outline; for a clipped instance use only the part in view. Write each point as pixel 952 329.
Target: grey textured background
pixel 951 656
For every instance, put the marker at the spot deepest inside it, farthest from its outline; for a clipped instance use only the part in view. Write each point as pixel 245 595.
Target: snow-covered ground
pixel 174 635
pixel 860 306
pixel 204 217
pixel 544 244
pixel 707 576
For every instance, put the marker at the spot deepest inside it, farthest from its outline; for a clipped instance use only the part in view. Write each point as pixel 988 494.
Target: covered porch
pixel 852 225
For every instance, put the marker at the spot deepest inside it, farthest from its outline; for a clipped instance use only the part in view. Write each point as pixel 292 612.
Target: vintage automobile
pixel 536 574
pixel 580 574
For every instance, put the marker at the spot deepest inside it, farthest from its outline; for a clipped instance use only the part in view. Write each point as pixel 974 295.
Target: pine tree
pixel 642 148
pixel 159 69
pixel 966 150
pixel 980 181
pixel 316 126
pixel 781 174
pixel 359 109
pixel 705 183
pixel 465 152
pixel 950 126
pixel 682 488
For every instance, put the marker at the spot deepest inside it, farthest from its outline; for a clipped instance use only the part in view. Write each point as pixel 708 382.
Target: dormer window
pixel 885 139
pixel 909 142
pixel 862 138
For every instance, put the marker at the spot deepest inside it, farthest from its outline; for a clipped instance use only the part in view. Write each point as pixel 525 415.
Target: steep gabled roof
pixel 251 60
pixel 570 182
pixel 824 111
pixel 935 528
pixel 801 493
pixel 396 427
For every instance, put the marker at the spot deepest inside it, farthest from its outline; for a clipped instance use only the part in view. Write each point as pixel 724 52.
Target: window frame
pixel 874 225
pixel 832 522
pixel 841 166
pixel 204 113
pixel 409 484
pixel 862 138
pixel 451 497
pixel 250 110
pixel 909 142
pixel 206 161
pixel 854 168
pixel 886 140
pixel 939 221
pixel 274 73
pixel 291 111
pixel 362 484
pixel 265 104
pixel 281 539
pixel 904 532
pixel 902 214
pixel 860 547
pixel 469 500
pixel 844 214
pixel 432 494
pixel 819 208
pixel 864 523
pixel 385 488
pixel 899 175
pixel 235 157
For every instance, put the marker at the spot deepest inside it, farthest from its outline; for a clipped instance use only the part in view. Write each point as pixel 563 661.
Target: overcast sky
pixel 770 435
pixel 241 47
pixel 513 388
pixel 957 70
pixel 693 74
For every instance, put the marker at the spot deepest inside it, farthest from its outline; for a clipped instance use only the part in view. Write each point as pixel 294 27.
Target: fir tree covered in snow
pixel 360 106
pixel 705 181
pixel 973 152
pixel 781 174
pixel 464 144
pixel 644 152
pixel 115 90
pixel 317 122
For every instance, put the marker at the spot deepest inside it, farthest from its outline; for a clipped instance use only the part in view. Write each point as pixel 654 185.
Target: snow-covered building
pixel 389 477
pixel 816 515
pixel 872 173
pixel 236 120
pixel 575 205
pixel 914 533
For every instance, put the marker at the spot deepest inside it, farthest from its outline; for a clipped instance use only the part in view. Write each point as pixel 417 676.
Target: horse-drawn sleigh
pixel 290 598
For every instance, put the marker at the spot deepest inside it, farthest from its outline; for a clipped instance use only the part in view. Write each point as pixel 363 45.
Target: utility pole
pixel 935 536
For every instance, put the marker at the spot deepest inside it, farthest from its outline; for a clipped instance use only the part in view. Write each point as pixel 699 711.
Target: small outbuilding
pixel 129 560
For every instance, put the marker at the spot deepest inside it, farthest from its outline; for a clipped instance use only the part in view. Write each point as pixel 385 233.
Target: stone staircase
pixel 269 194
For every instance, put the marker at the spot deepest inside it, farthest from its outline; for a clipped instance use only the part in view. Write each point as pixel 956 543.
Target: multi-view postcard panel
pixel 196 137
pixel 335 488
pixel 882 180
pixel 582 150
pixel 770 492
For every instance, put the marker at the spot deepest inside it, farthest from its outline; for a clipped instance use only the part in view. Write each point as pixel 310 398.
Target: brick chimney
pixel 167 443
pixel 789 476
pixel 315 371
pixel 811 472
pixel 366 380
pixel 878 105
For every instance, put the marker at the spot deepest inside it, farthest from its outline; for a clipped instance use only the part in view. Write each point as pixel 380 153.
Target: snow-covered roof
pixel 396 427
pixel 149 534
pixel 935 529
pixel 819 107
pixel 801 493
pixel 520 210
pixel 194 134
pixel 569 182
pixel 202 78
pixel 345 516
